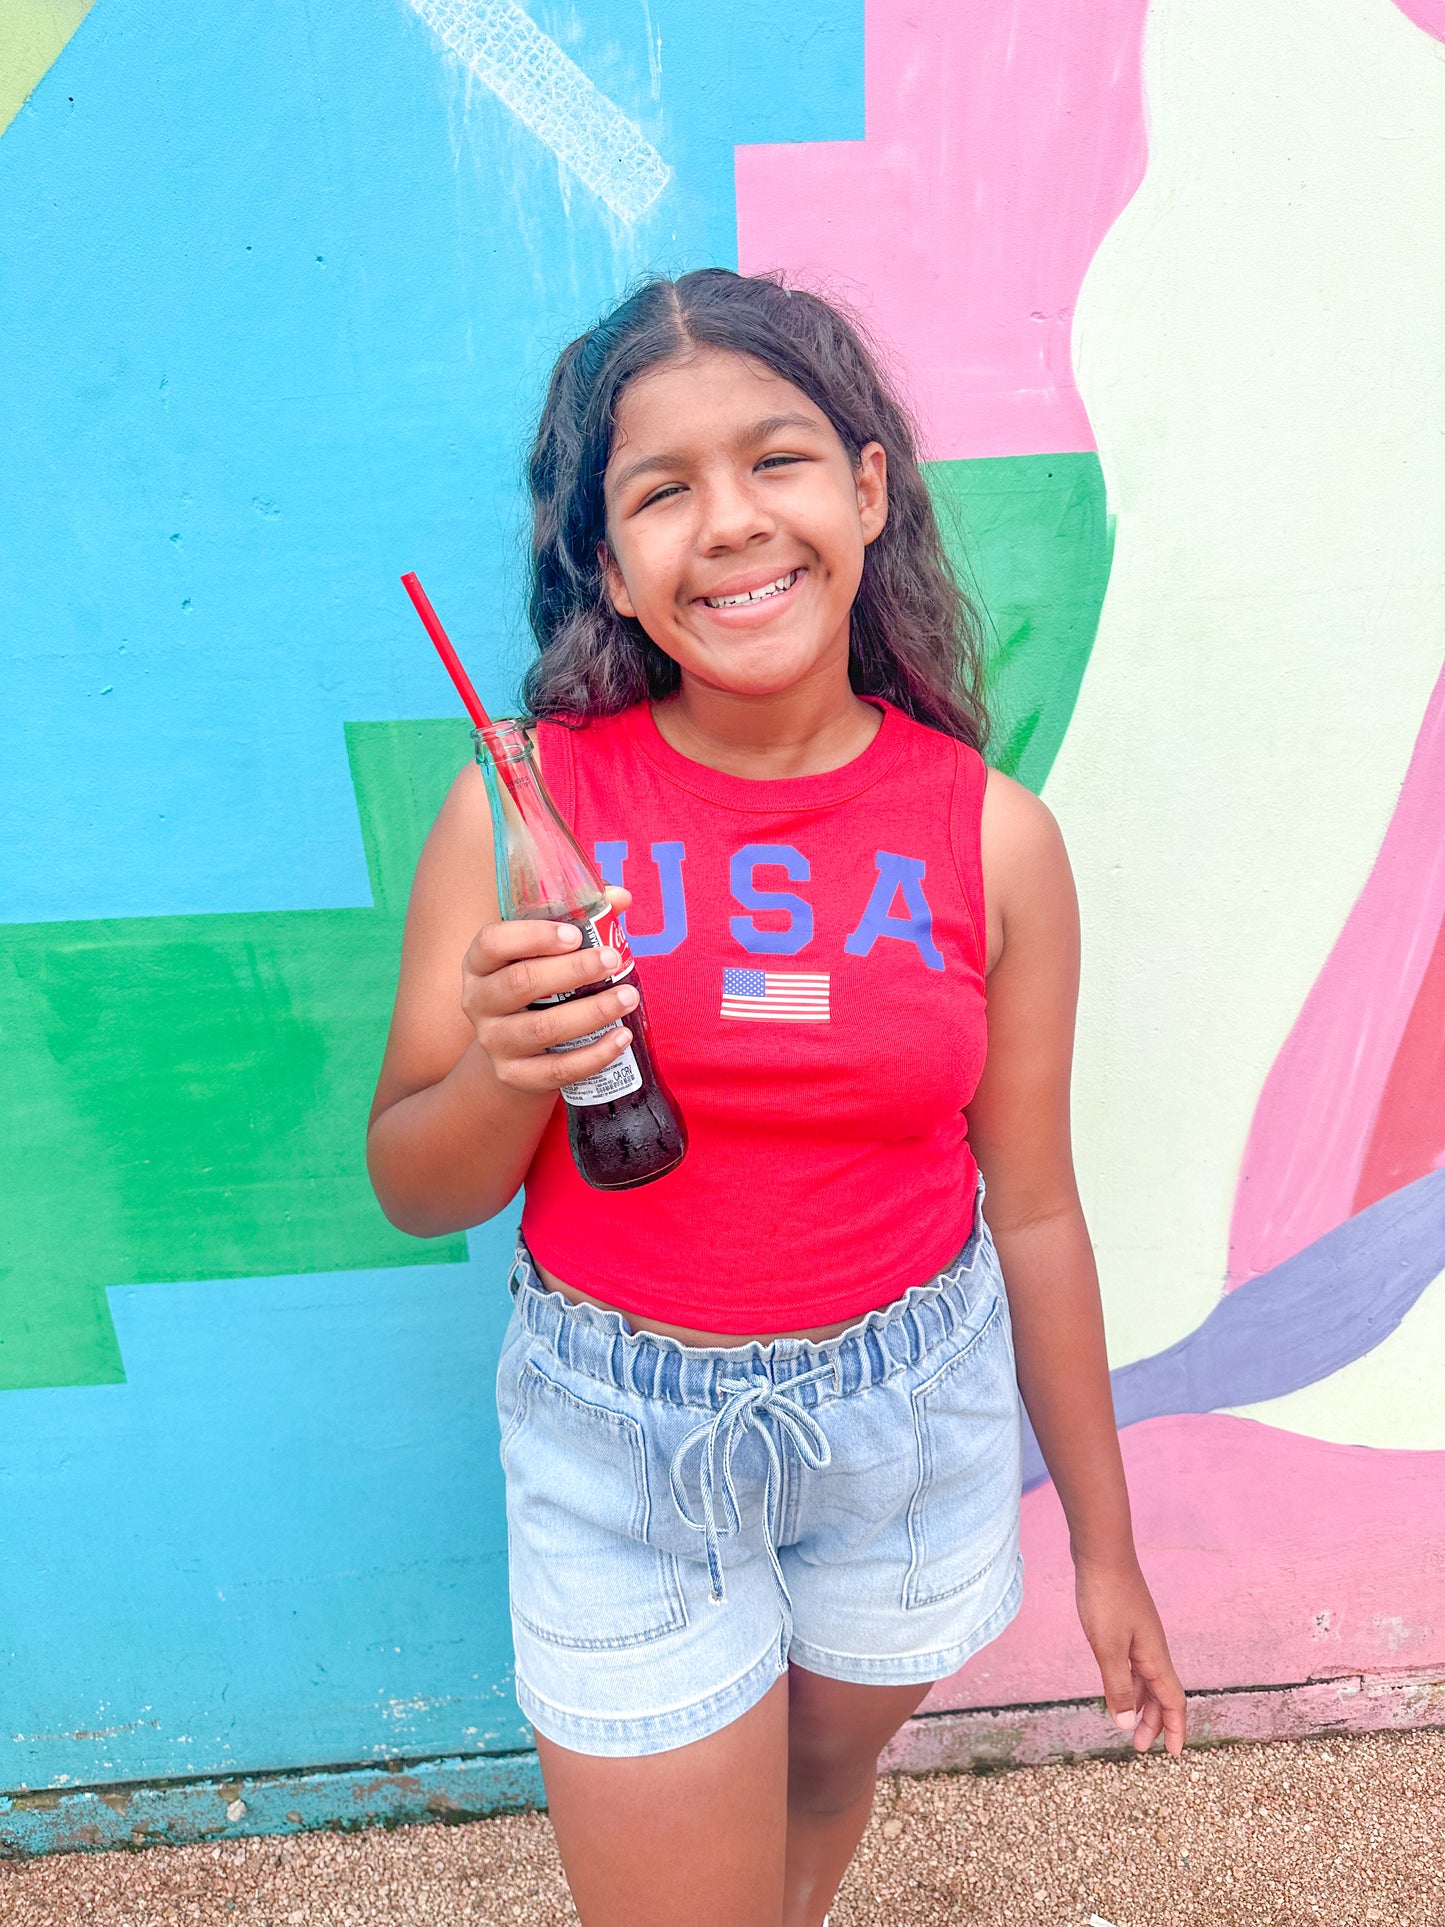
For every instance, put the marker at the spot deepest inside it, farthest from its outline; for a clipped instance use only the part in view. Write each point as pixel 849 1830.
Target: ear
pixel 871 479
pixel 612 581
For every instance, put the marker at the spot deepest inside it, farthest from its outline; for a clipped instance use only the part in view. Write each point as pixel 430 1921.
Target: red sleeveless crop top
pixel 812 950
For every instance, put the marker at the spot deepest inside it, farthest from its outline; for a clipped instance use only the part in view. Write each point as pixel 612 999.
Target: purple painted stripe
pixel 1289 1327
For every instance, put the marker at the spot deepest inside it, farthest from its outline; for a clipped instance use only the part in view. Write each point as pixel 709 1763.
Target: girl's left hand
pixel 1122 1625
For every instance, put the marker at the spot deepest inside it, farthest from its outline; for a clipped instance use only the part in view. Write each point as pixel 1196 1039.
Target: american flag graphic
pixel 786 996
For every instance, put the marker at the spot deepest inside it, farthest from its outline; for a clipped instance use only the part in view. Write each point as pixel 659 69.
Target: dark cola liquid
pixel 619 1142
pixel 629 1140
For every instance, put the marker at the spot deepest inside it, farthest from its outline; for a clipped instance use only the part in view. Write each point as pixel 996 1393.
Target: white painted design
pixel 530 74
pixel 1257 343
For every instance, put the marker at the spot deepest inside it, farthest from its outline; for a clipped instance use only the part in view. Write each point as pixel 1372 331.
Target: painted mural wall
pixel 280 291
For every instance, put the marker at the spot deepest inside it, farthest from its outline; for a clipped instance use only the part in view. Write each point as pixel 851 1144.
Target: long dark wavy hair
pixel 915 635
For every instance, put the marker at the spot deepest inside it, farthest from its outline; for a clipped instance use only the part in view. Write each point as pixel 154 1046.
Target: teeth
pixel 753 595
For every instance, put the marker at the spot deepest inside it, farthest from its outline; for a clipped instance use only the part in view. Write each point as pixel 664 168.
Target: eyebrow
pixel 749 437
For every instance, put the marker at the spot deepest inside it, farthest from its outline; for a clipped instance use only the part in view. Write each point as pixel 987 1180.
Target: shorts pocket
pixel 964 1513
pixel 582 1572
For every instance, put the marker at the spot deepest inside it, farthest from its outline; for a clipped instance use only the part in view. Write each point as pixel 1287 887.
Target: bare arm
pixel 1020 1130
pixel 466 1087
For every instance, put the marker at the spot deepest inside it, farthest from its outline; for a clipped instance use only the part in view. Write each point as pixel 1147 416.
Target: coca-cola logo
pixel 611 936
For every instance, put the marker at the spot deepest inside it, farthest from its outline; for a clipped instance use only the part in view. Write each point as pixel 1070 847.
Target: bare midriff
pixel 705 1340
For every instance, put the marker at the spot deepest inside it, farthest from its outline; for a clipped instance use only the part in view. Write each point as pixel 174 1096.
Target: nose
pixel 731 515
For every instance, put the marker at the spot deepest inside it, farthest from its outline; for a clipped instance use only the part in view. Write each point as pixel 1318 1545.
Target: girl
pixel 760 1418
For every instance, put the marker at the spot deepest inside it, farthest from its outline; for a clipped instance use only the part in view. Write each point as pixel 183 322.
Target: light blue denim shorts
pixel 682 1522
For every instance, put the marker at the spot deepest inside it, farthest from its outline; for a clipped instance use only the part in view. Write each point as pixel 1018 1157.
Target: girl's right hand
pixel 511 965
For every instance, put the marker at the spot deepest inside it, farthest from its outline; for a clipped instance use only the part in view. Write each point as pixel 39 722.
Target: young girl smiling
pixel 760 1418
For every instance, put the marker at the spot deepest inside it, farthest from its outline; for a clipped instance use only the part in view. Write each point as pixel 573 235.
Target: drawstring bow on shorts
pixel 716 1439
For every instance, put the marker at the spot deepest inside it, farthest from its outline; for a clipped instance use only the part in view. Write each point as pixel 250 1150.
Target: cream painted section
pixel 1258 346
pixel 1391 1397
pixel 32 34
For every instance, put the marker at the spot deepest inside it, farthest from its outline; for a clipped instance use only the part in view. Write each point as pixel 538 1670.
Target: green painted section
pixel 1031 536
pixel 187 1096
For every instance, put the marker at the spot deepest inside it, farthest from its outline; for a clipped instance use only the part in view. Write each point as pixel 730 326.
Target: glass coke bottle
pixel 624 1125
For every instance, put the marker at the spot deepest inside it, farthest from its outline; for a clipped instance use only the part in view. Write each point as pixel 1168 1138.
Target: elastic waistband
pixel 601 1345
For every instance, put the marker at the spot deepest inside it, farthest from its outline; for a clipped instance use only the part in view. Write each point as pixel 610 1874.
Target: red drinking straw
pixel 472 701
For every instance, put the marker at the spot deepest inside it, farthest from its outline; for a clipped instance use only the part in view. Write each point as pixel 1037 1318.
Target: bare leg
pixel 689 1838
pixel 835 1733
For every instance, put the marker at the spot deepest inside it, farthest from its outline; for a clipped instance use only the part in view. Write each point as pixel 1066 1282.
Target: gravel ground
pixel 1342 1833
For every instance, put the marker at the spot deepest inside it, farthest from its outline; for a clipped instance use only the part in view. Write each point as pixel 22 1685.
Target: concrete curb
pixel 990 1739
pixel 179 1813
pixel 400 1793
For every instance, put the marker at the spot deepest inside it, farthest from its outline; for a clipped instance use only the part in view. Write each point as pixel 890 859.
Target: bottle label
pixel 621 1077
pixel 617 1079
pixel 602 932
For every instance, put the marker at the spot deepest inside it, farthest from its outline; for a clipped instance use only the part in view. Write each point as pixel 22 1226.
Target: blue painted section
pixel 1293 1325
pixel 279 298
pixel 279 1543
pixel 177 1816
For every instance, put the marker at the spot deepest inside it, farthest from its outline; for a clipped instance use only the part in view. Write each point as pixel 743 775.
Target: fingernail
pixel 568 935
pixel 627 997
pixel 1127 1720
pixel 609 959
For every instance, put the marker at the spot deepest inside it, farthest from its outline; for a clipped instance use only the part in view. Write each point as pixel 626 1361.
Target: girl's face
pixel 736 523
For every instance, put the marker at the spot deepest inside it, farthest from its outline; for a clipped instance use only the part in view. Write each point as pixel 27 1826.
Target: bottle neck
pixel 541 870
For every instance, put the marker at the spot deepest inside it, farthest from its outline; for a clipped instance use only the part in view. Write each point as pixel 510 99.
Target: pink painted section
pixel 1003 139
pixel 1409 1135
pixel 1429 14
pixel 1313 1124
pixel 1272 1558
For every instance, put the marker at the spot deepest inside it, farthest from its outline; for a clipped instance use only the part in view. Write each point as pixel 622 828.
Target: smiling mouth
pixel 780 587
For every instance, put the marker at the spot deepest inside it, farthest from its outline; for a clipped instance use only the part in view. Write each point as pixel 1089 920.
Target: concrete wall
pixel 282 285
